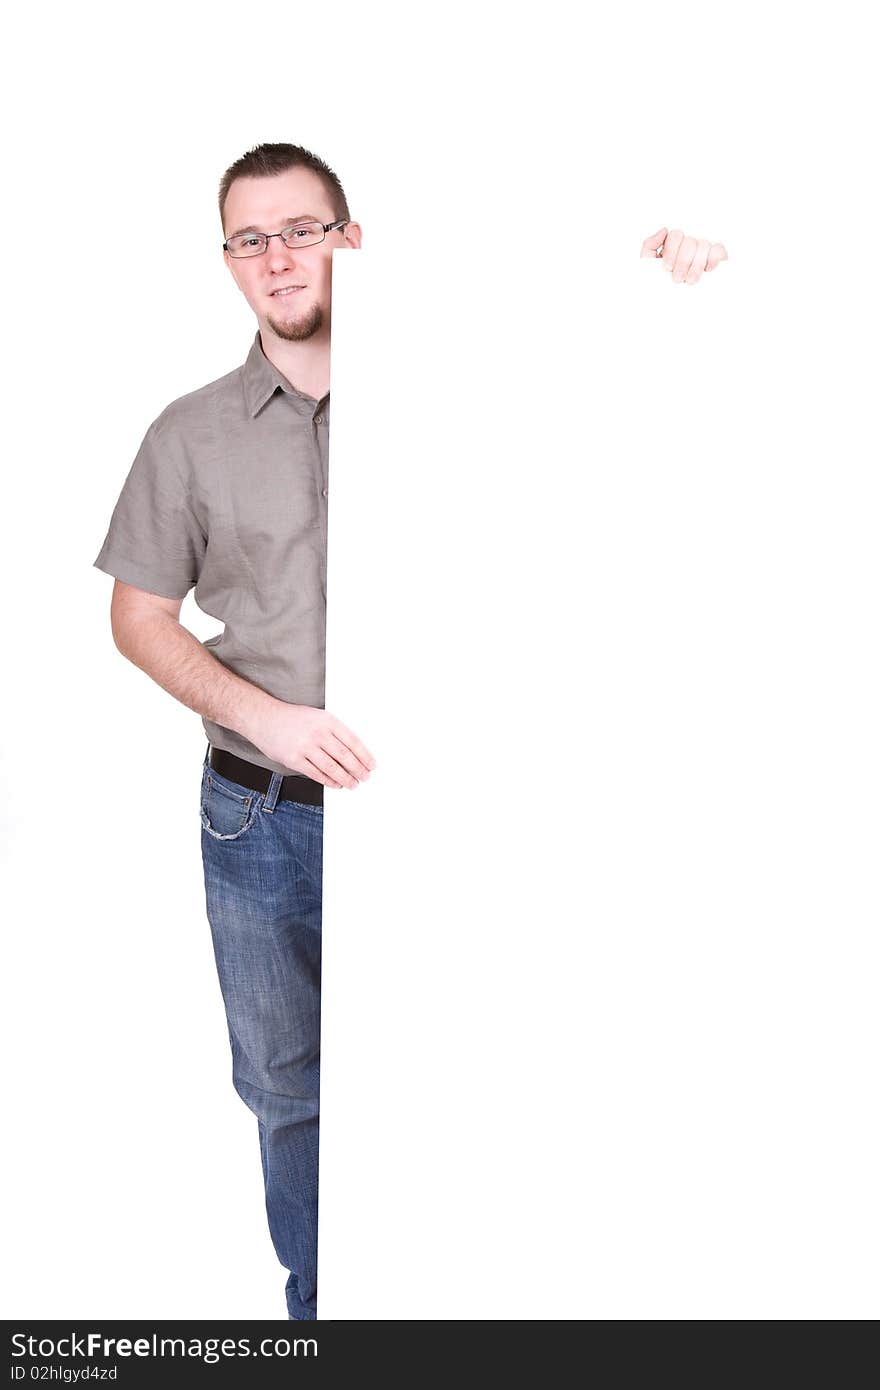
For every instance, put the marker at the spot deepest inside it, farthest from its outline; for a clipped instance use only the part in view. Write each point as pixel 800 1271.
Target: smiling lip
pixel 280 294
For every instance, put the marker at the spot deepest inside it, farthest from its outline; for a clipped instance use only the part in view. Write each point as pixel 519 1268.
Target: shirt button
pixel 323 492
pixel 319 419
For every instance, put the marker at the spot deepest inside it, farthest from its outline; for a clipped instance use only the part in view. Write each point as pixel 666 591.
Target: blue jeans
pixel 263 875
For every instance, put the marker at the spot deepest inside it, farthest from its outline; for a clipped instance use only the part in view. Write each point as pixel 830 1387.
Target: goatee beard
pixel 295 330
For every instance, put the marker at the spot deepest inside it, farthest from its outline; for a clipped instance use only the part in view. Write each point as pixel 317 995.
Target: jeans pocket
pixel 227 810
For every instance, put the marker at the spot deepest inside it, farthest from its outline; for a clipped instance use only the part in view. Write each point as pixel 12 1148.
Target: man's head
pixel 269 189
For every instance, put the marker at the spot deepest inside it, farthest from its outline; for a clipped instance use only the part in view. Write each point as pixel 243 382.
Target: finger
pixel 683 258
pixel 310 769
pixel 338 750
pixel 352 741
pixel 651 243
pixel 670 248
pixel 338 775
pixel 698 264
pixel 717 254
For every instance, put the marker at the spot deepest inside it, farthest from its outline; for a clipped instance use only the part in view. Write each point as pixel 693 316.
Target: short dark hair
pixel 264 160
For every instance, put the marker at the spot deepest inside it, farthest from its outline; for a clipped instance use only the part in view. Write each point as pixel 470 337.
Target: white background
pixel 600 933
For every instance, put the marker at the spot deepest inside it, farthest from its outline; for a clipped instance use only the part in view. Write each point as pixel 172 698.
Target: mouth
pixel 285 291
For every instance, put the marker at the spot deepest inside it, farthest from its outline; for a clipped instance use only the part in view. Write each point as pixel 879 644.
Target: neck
pixel 305 365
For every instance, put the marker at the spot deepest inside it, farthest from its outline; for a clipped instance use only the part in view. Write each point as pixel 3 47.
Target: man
pixel 228 493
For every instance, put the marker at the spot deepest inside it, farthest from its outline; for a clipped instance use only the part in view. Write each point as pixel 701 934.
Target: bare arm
pixel 147 630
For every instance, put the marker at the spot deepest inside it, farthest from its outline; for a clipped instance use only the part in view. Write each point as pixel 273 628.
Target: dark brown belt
pixel 293 787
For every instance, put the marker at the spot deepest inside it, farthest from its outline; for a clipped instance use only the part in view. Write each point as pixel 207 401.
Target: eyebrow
pixel 289 222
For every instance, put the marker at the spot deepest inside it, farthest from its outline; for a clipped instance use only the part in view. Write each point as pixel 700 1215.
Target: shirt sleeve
pixel 155 540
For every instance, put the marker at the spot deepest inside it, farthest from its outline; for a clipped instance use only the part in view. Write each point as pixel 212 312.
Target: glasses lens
pixel 248 244
pixel 303 234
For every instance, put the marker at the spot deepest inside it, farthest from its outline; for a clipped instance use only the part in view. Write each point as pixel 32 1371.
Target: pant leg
pixel 263 878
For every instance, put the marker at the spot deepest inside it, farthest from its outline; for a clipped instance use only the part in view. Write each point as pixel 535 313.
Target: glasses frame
pixel 325 228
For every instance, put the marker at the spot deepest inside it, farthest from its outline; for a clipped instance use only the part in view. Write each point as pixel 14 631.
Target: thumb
pixel 651 243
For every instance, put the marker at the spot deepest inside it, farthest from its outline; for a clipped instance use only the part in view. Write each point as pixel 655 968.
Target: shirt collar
pixel 262 379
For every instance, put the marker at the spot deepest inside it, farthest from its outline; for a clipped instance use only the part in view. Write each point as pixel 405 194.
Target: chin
pixel 298 327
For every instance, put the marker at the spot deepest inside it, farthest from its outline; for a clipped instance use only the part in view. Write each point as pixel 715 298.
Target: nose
pixel 278 256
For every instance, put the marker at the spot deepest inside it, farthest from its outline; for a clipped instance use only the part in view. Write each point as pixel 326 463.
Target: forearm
pixel 169 653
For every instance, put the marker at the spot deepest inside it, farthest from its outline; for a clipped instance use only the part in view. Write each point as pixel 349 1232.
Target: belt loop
pixel 272 792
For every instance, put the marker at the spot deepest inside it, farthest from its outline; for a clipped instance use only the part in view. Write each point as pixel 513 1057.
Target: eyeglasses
pixel 301 234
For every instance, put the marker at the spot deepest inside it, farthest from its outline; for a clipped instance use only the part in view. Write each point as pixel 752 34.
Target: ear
pixel 352 234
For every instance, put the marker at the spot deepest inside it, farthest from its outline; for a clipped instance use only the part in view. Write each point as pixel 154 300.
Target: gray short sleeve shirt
pixel 228 495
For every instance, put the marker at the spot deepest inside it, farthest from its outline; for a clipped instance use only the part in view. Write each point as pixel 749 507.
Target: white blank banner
pixel 600 933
